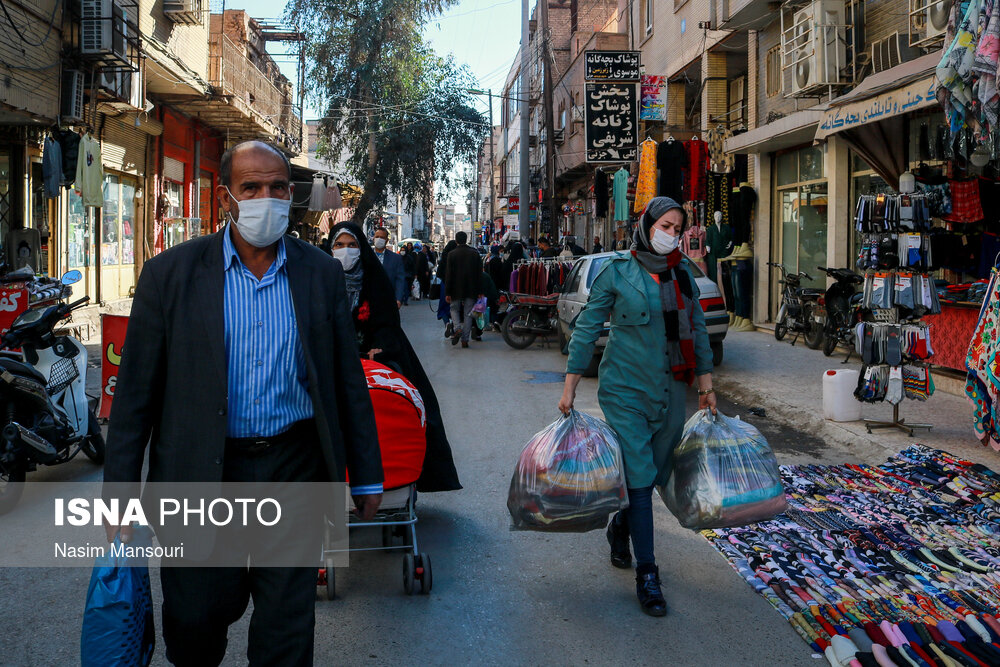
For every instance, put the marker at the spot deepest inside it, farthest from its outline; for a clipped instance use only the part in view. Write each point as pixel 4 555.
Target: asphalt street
pixel 499 597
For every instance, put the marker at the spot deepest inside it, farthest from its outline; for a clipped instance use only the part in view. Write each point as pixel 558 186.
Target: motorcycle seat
pixel 19 368
pixel 810 291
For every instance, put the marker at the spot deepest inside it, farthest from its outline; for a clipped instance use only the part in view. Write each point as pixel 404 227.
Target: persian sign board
pixel 611 65
pixel 612 122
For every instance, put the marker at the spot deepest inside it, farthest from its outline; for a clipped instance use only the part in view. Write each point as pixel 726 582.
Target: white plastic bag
pixel 569 477
pixel 724 474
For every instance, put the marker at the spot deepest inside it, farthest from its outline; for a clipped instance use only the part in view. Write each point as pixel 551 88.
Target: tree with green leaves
pixel 401 115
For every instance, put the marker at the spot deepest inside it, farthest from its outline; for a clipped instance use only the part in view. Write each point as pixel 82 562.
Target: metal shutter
pixel 124 147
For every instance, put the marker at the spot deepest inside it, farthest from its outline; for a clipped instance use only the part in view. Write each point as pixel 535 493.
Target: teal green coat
pixel 637 393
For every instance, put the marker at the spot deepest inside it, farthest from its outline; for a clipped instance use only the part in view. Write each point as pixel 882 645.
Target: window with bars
pixel 772 73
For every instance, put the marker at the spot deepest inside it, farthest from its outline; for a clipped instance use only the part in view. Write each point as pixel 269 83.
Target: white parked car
pixel 577 291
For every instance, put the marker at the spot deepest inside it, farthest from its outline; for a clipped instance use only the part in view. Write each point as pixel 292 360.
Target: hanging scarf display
pixel 897 560
pixel 645 188
pixel 719 159
pixel 983 365
pixel 697 167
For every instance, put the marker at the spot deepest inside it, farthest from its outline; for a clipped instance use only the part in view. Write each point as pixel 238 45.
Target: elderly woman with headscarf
pixel 381 338
pixel 658 346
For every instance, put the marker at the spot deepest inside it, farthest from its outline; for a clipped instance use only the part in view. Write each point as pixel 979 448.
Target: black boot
pixel 618 539
pixel 647 589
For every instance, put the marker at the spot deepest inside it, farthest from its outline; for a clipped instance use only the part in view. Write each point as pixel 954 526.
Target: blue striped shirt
pixel 268 383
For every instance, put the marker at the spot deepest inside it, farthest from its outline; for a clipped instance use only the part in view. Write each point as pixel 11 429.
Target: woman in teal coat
pixel 657 348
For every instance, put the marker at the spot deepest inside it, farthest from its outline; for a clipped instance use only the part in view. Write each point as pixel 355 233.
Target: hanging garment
pixel 718 193
pixel 695 187
pixel 51 166
pixel 719 159
pixel 332 199
pixel 600 194
pixel 965 204
pixel 645 188
pixel 746 200
pixel 981 387
pixel 986 64
pixel 621 196
pixel 720 244
pixel 317 195
pixel 671 159
pixel 69 142
pixel 90 172
pixel 693 245
pixel 954 72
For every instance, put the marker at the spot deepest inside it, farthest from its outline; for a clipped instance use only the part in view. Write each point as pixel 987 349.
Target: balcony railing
pixel 233 74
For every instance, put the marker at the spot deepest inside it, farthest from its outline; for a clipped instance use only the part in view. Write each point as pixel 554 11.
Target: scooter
pixel 798 308
pixel 45 414
pixel 840 309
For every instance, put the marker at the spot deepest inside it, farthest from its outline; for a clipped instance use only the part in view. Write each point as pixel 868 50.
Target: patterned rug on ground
pixel 901 561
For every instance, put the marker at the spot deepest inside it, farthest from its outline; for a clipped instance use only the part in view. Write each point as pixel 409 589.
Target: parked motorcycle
pixel 529 317
pixel 798 309
pixel 839 308
pixel 45 413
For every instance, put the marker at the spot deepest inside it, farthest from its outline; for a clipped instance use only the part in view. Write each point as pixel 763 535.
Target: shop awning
pixel 794 129
pixel 901 89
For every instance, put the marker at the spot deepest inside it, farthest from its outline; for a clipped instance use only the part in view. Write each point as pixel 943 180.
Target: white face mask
pixel 347 256
pixel 380 243
pixel 664 243
pixel 262 221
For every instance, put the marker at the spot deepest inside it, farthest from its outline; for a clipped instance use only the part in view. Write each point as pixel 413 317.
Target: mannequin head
pixel 717 216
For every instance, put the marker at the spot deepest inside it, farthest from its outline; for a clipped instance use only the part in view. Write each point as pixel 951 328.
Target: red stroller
pixel 401 421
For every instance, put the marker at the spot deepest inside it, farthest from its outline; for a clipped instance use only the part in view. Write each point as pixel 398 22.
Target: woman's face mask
pixel 347 256
pixel 663 243
pixel 261 221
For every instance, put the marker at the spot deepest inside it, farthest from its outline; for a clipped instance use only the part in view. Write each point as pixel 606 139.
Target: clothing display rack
pixel 539 276
pixel 892 343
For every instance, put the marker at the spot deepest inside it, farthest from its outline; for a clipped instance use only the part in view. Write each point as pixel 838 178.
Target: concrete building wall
pixel 31 73
pixel 189 43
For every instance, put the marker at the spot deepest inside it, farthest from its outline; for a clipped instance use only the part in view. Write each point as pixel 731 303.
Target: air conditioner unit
pixel 559 136
pixel 889 52
pixel 577 113
pixel 936 13
pixel 183 11
pixel 104 31
pixel 814 46
pixel 72 95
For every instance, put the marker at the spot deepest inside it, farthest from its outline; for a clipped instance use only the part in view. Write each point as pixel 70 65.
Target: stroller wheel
pixel 408 571
pixel 426 578
pixel 331 580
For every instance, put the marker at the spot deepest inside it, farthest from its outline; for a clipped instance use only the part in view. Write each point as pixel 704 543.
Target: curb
pixel 793 416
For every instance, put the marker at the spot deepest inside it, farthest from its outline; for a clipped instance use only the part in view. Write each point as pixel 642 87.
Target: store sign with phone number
pixel 13 302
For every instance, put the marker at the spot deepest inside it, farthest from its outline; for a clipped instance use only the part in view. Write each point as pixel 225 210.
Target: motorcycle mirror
pixel 71 277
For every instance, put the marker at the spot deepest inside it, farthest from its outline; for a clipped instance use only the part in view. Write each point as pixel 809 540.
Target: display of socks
pixel 875 382
pixel 899 563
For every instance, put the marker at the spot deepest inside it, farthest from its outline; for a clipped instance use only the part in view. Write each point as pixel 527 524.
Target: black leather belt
pixel 258 446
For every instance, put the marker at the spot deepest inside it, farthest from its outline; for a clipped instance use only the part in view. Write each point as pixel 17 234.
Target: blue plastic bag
pixel 118 626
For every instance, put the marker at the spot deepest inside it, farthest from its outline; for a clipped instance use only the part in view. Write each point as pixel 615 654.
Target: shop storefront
pixel 190 155
pixel 799 230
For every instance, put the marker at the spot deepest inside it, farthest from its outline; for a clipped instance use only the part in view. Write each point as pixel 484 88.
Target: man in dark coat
pixel 462 287
pixel 391 262
pixel 203 311
pixel 546 247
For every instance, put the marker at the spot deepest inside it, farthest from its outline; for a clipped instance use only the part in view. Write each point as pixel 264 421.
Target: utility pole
pixel 523 224
pixel 550 138
pixel 493 194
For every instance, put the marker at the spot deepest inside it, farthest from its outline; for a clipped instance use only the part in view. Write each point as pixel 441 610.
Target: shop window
pixel 206 202
pixel 111 222
pixel 801 200
pixel 79 233
pixel 128 222
pixel 175 201
pixel 788 168
pixel 772 71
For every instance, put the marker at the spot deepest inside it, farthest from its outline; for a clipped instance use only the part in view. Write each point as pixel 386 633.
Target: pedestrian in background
pixel 462 286
pixel 658 347
pixel 299 413
pixel 424 271
pixel 494 267
pixel 444 308
pixel 545 246
pixel 391 262
pixel 409 270
pixel 382 339
pixel 597 245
